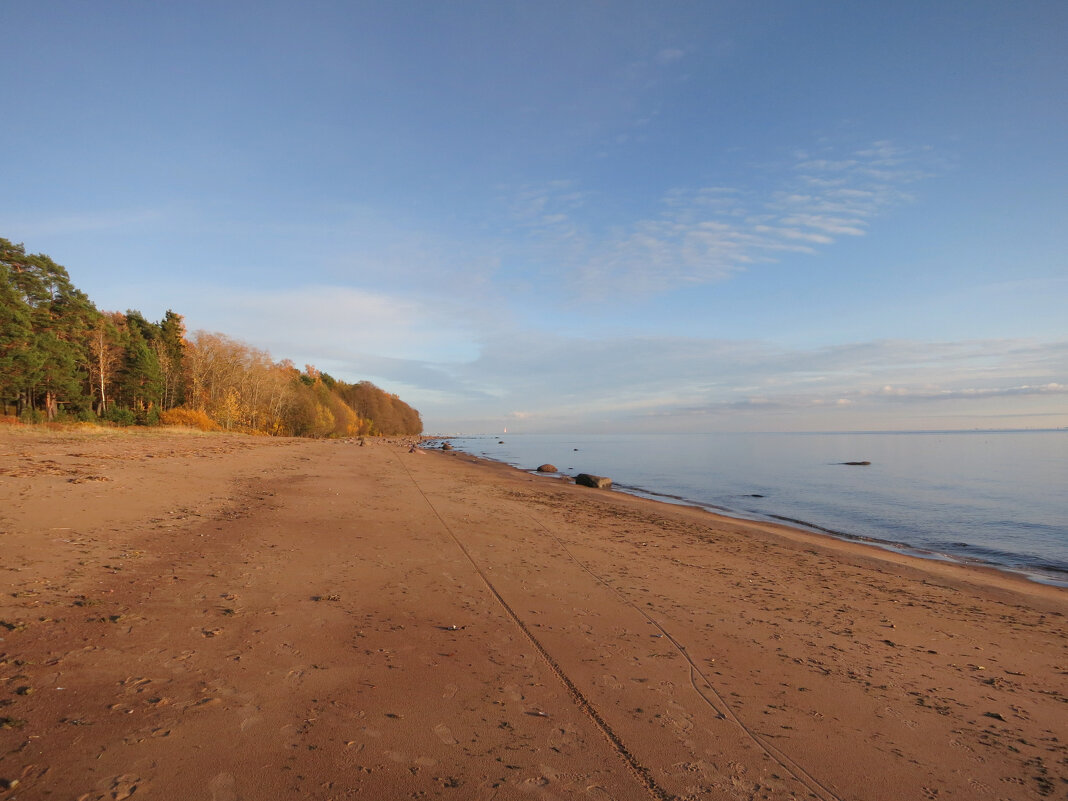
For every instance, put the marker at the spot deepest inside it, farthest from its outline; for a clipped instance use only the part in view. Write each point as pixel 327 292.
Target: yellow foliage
pixel 228 411
pixel 190 418
pixel 324 420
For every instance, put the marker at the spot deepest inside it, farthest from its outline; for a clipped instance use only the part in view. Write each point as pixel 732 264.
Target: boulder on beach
pixel 547 468
pixel 446 446
pixel 597 482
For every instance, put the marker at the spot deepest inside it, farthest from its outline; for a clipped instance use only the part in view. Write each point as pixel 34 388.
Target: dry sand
pixel 191 616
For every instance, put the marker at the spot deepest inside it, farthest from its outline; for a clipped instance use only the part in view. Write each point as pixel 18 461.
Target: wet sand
pixel 192 616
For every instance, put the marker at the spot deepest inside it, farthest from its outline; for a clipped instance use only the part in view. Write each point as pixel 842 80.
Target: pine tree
pixel 59 316
pixel 18 363
pixel 170 350
pixel 140 382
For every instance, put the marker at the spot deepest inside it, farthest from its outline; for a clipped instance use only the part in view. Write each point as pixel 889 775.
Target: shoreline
pixel 903 555
pixel 1049 575
pixel 345 622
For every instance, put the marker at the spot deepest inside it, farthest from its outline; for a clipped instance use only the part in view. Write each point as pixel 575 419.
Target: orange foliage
pixel 189 418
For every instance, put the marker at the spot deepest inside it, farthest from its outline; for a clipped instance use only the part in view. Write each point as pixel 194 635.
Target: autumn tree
pixel 389 415
pixel 59 354
pixel 106 354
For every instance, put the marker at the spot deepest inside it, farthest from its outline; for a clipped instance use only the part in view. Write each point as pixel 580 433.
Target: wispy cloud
pixel 699 382
pixel 337 325
pixel 83 222
pixel 908 394
pixel 706 234
pixel 670 54
pixel 549 207
pixel 456 367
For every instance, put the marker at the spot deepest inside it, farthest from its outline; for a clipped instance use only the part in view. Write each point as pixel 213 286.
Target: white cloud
pixel 689 383
pixel 669 55
pixel 84 222
pixel 334 324
pixel 929 393
pixel 456 364
pixel 707 234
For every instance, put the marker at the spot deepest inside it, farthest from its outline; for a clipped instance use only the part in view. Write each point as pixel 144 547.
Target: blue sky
pixel 579 216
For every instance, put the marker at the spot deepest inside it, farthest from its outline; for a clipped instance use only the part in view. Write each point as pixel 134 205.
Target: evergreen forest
pixel 62 359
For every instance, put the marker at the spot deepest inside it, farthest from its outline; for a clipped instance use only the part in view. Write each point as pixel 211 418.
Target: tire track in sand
pixel 717 703
pixel 640 771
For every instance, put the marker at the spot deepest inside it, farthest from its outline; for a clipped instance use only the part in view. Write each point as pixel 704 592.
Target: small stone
pixel 597 482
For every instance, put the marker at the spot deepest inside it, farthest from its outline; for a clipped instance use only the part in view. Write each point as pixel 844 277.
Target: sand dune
pixel 191 616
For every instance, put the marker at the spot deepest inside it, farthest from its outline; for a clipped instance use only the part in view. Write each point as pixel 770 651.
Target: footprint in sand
pixel 679 717
pixel 450 691
pixel 598 792
pixel 563 740
pixel 251 721
pixel 223 788
pixel 444 734
pixel 666 688
pixel 124 786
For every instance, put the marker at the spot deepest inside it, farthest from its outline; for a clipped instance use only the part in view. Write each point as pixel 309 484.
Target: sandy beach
pixel 200 616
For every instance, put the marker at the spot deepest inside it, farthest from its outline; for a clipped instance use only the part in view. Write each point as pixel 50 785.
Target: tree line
pixel 63 359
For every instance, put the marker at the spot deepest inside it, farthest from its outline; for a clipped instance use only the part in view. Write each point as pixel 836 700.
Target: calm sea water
pixel 998 498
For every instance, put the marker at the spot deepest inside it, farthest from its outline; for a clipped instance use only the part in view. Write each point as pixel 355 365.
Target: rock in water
pixel 547 468
pixel 597 482
pixel 446 447
pixel 856 464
